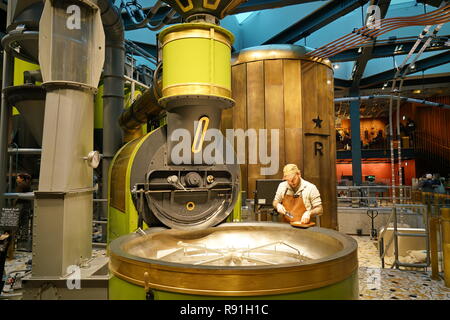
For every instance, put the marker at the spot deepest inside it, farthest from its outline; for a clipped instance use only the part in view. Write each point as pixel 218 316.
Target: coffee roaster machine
pixel 165 179
pixel 171 191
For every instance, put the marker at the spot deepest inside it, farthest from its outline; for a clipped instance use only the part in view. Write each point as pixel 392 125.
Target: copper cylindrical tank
pixel 278 87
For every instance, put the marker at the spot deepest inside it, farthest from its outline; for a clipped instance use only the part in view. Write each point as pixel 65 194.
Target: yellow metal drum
pixel 196 62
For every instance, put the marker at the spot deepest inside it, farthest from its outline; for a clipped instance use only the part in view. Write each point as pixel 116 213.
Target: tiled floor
pixel 376 283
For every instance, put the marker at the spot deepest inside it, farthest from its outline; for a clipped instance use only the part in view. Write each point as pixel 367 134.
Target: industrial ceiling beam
pixel 434 3
pixel 316 20
pixel 341 83
pixel 391 48
pixel 417 82
pixel 255 5
pixel 421 65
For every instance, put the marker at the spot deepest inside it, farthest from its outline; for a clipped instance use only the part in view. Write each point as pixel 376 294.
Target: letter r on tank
pixel 318 147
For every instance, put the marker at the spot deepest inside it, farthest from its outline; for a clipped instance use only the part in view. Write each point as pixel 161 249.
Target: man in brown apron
pixel 297 200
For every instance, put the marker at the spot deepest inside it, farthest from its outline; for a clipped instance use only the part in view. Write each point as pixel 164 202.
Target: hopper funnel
pixel 30 101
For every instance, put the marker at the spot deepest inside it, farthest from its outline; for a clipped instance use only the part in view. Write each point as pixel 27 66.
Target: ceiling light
pixel 417 91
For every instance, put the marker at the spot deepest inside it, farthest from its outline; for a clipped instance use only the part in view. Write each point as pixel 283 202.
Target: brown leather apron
pixel 295 206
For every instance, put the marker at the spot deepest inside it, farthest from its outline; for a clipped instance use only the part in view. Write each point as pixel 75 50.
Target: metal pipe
pixel 113 79
pixel 165 21
pixel 19 195
pixel 445 223
pixel 131 119
pixel 10 173
pixel 395 235
pixel 145 19
pixel 391 148
pixel 381 96
pixel 24 150
pixel 403 72
pixel 399 149
pixel 5 116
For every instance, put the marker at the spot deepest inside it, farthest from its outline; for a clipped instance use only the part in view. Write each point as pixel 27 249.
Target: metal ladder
pixel 397 234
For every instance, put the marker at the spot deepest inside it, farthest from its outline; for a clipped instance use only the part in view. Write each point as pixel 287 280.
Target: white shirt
pixel 308 191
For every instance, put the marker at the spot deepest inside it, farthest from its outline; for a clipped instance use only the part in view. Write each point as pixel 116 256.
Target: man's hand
pixel 281 209
pixel 306 218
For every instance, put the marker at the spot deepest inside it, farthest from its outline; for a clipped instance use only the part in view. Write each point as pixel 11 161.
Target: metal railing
pixel 99 222
pixel 373 196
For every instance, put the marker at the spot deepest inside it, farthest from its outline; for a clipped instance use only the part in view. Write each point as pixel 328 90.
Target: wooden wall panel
pixel 255 114
pixel 274 109
pixel 332 198
pixel 319 167
pixel 239 112
pixel 288 94
pixel 293 126
pixel 432 139
pixel 309 96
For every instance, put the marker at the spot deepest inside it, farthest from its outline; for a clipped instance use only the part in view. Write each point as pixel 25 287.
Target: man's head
pixel 429 176
pixel 23 177
pixel 292 175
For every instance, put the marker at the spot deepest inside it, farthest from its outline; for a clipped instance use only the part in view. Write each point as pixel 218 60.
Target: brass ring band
pixel 275 52
pixel 200 34
pixel 195 30
pixel 190 206
pixel 251 281
pixel 196 89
